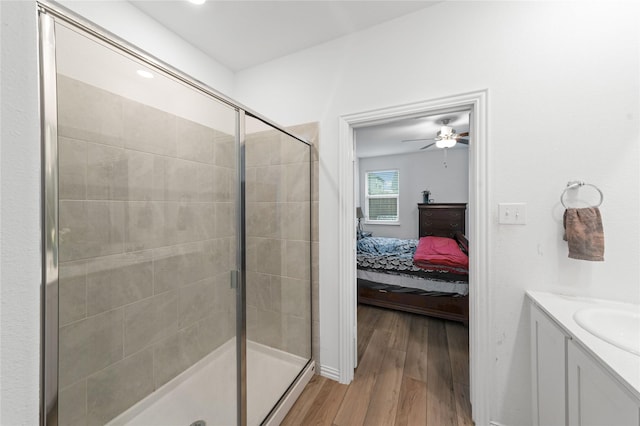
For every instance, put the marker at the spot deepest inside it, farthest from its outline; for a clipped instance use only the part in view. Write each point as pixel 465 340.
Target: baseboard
pixel 329 372
pixel 495 424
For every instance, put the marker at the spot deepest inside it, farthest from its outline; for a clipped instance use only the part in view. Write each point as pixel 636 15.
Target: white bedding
pixel 415 282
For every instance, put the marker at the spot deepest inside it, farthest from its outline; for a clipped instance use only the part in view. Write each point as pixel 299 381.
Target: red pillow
pixel 439 251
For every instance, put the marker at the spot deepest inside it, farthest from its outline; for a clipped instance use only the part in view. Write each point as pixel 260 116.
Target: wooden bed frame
pixel 455 308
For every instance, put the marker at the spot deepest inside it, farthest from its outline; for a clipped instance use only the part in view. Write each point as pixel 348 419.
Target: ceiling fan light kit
pixel 446 143
pixel 446 130
pixel 446 137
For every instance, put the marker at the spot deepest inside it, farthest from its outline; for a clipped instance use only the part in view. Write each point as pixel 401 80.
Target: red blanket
pixel 439 253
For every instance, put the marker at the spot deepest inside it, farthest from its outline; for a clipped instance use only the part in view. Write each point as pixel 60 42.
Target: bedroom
pixel 407 188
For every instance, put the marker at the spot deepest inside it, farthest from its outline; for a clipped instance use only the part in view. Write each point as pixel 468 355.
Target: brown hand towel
pixel 583 231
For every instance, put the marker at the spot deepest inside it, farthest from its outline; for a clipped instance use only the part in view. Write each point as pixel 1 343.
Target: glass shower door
pixel 147 243
pixel 278 264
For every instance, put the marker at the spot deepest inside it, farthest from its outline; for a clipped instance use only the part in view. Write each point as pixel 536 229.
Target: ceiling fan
pixel 445 138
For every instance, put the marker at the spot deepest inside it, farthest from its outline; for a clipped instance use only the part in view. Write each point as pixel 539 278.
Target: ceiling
pixel 242 34
pixel 386 139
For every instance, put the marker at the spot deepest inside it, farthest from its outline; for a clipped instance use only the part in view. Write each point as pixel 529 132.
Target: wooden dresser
pixel 441 216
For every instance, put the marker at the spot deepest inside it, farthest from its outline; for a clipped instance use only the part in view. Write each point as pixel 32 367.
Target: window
pixel 381 196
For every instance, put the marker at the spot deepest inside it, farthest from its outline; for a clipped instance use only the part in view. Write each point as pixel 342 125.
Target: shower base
pixel 207 390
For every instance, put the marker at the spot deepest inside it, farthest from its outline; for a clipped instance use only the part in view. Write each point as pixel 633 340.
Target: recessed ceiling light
pixel 144 73
pixel 197 1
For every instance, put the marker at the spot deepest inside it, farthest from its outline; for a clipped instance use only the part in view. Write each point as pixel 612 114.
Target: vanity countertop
pixel 623 365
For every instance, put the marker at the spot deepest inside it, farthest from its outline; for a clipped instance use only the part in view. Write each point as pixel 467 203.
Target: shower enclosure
pixel 177 248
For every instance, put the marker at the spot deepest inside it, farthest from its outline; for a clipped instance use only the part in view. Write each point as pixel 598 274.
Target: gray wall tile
pixel 265 219
pixel 182 180
pixel 149 320
pixel 205 221
pixel 225 150
pixel 72 405
pixel 179 351
pixel 179 265
pixel 297 182
pixel 107 173
pixel 148 129
pixel 90 229
pixel 72 175
pixel 225 220
pixel 269 330
pixel 72 287
pixel 263 148
pixel 293 151
pixel 144 176
pixel 206 183
pixel 297 260
pixel 295 221
pixel 167 359
pixel 144 225
pixel 251 183
pixel 269 184
pixel 90 345
pixel 259 290
pixel 223 181
pixel 224 295
pixel 295 297
pixel 195 302
pixel 115 389
pixel 215 330
pixel 181 222
pixel 269 253
pixel 296 336
pixel 88 113
pixel 218 256
pixel 118 280
pixel 194 141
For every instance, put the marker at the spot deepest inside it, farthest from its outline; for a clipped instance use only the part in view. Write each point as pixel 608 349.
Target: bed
pixel 389 277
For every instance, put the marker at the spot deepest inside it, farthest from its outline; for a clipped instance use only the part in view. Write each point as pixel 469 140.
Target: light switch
pixel 512 213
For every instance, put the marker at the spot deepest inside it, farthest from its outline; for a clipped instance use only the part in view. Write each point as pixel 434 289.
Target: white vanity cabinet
pixel 548 375
pixel 569 386
pixel 595 398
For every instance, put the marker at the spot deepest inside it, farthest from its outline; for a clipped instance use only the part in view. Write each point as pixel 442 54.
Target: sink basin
pixel 620 327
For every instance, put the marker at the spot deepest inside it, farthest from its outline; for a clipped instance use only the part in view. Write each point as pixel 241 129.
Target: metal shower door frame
pixel 48 15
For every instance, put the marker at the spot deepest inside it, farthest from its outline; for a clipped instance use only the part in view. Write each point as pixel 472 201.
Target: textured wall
pixel 20 233
pixel 556 104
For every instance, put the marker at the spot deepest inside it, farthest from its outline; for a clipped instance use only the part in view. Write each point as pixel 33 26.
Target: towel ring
pixel 577 184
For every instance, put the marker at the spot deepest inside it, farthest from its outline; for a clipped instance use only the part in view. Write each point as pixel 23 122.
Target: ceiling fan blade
pixel 427 146
pixel 463 141
pixel 463 134
pixel 417 140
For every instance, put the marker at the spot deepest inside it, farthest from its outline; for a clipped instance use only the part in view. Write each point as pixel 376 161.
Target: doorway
pixel 478 213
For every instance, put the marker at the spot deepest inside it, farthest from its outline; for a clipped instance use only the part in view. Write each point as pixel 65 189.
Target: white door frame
pixel 480 351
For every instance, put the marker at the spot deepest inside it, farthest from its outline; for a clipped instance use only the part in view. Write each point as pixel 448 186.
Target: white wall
pixel 20 274
pixel 564 104
pixel 563 81
pixel 418 171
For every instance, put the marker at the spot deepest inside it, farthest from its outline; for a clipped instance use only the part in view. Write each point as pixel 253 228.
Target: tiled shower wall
pixel 147 242
pixel 278 228
pixel 310 132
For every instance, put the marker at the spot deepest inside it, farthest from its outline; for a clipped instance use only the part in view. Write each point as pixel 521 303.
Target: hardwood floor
pixel 412 370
